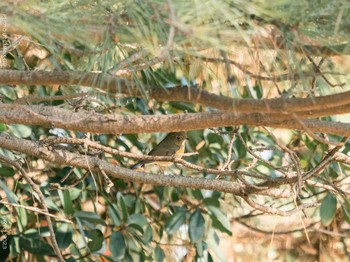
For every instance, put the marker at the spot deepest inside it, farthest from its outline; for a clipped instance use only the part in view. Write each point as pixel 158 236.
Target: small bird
pixel 172 145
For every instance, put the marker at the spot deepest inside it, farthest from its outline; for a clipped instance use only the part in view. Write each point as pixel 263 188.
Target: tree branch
pixel 37 210
pixel 116 85
pixel 50 116
pixel 91 144
pixel 275 211
pixel 63 157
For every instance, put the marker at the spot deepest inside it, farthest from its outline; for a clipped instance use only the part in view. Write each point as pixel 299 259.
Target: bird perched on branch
pixel 172 145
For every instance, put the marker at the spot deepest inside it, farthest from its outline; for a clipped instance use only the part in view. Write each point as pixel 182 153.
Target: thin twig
pixel 320 185
pixel 258 157
pixel 240 178
pixel 91 144
pixel 287 232
pixel 74 184
pixel 310 133
pixel 293 157
pixel 328 158
pixel 172 30
pixel 7 49
pixel 129 60
pixel 275 211
pixel 31 99
pixel 37 210
pixel 282 77
pixel 229 154
pixel 318 71
pixel 37 190
pixel 108 180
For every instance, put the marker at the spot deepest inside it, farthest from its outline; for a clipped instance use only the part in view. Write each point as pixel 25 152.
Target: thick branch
pixel 63 157
pixel 186 94
pixel 50 116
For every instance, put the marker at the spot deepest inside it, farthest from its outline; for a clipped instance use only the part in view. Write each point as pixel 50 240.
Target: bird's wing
pixel 169 151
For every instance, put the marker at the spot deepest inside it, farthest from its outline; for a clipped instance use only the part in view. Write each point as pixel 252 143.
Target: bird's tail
pixel 139 164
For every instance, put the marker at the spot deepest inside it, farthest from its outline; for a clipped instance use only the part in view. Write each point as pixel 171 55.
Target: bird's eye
pixel 178 138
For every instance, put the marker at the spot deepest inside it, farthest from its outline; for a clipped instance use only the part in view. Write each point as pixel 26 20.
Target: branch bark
pixel 302 107
pixel 50 116
pixel 63 157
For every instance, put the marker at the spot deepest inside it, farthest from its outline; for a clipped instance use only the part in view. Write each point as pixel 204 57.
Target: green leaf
pixel 175 196
pixel 7 171
pixel 22 216
pixel 200 247
pixel 211 201
pixel 240 148
pixel 174 222
pixel 11 197
pixel 20 131
pixel 51 204
pixel 134 139
pixel 3 127
pixel 139 206
pixel 196 226
pixel 34 232
pixel 5 221
pixel 113 214
pixel 129 200
pixel 64 235
pixel 128 257
pixel 117 245
pixel 159 254
pixel 210 258
pixel 213 246
pixel 122 204
pixel 197 194
pixel 328 209
pixel 141 104
pixel 74 193
pixel 70 259
pixel 148 235
pixel 258 92
pixel 220 221
pixel 67 202
pixel 95 239
pixel 187 107
pixel 137 228
pixel 145 228
pixel 36 246
pixel 138 219
pixel 88 217
pixel 346 211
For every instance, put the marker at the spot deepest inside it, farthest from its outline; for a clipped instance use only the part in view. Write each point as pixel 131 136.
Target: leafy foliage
pixel 132 40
